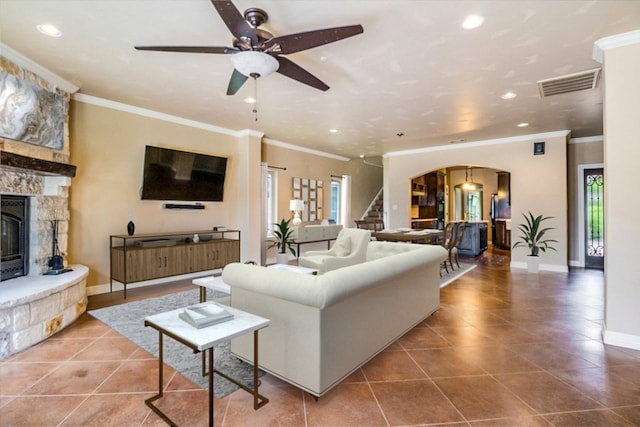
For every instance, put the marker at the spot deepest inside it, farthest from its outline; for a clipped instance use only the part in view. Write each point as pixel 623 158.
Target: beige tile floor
pixel 505 349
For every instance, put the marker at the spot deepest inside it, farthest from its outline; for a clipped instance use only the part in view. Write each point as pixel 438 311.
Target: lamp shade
pixel 296 205
pixel 253 62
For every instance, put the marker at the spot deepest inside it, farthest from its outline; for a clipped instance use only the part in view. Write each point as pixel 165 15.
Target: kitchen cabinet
pixel 474 241
pixel 503 233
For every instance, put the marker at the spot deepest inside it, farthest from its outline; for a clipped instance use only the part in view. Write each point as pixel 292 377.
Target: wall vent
pixel 570 83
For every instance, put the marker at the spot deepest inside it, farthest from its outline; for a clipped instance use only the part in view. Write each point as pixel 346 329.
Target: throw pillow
pixel 343 247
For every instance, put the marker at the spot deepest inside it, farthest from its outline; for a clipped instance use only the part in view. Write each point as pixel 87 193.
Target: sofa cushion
pixel 342 247
pixel 377 250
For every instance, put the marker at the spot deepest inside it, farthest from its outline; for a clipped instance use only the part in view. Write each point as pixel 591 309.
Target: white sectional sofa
pixel 325 327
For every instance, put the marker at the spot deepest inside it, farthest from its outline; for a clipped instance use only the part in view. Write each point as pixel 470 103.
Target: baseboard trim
pixel 117 286
pixel 619 339
pixel 576 263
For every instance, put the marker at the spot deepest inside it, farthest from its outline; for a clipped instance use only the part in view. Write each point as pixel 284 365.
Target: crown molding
pixel 288 146
pixel 101 102
pixel 508 140
pixel 597 138
pixel 22 61
pixel 611 42
pixel 251 133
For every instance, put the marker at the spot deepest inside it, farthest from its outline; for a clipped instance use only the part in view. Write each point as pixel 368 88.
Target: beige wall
pixel 108 148
pixel 538 183
pixel 621 156
pixel 366 179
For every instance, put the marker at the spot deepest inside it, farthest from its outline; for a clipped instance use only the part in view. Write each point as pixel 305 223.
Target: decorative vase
pixel 533 264
pixel 282 258
pixel 196 238
pixel 131 227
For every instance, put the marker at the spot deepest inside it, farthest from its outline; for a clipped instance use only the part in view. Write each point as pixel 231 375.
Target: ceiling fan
pixel 257 53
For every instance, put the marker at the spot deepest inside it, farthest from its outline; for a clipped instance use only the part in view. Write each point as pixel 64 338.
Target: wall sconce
pixel 296 206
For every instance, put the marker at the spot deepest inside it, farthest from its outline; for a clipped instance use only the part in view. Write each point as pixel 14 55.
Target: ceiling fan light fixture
pixel 49 30
pixel 251 63
pixel 472 21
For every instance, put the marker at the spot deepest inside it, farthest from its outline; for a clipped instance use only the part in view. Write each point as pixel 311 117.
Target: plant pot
pixel 282 258
pixel 533 264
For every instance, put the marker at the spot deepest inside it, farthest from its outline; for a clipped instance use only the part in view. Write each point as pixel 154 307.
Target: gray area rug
pixel 128 320
pixel 447 278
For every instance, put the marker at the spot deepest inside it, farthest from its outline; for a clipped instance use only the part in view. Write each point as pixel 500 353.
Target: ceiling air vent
pixel 569 83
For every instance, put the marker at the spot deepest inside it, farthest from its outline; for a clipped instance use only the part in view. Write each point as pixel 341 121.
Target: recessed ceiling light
pixel 333 130
pixel 472 21
pixel 49 30
pixel 250 100
pixel 508 95
pixel 522 125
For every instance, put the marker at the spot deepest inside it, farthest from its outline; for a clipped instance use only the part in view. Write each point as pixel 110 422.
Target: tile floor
pixel 505 349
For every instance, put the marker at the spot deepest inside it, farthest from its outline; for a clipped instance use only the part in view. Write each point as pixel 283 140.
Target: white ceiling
pixel 413 71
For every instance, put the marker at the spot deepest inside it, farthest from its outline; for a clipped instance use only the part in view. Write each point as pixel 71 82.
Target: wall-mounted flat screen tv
pixel 180 175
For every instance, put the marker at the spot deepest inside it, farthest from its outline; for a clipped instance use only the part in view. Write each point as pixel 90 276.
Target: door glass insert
pixel 594 218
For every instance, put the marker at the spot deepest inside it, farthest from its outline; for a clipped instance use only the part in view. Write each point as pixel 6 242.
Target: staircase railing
pixel 371 205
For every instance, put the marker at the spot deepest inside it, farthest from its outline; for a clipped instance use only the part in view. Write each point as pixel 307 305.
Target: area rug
pixel 128 320
pixel 452 275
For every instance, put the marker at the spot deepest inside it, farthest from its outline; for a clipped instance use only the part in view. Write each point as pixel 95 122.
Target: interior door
pixel 594 217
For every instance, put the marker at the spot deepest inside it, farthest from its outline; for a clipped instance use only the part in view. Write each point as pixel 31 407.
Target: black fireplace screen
pixel 14 236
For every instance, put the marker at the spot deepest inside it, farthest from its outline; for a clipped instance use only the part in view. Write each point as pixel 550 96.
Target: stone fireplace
pixel 35 306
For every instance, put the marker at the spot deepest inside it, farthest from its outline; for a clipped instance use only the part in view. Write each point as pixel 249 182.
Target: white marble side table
pixel 203 340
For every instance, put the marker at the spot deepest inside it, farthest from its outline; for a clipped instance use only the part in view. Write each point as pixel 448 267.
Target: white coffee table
pixel 211 282
pixel 294 268
pixel 201 340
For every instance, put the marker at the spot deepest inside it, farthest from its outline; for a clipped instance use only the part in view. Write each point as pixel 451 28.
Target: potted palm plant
pixel 533 237
pixel 283 241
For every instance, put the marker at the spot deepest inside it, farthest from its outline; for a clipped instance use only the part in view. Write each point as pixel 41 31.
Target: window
pixel 335 200
pixel 272 200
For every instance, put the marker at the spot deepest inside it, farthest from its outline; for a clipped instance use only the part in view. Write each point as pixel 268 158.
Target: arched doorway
pixel 472 193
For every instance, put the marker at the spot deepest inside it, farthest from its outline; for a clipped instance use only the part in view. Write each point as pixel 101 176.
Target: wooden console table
pixel 155 255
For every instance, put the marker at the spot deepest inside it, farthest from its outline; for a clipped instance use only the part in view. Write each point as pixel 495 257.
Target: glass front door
pixel 594 217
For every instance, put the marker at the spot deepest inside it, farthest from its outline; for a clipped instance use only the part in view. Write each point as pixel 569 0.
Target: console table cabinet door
pixel 231 252
pixel 178 260
pixel 202 255
pixel 146 264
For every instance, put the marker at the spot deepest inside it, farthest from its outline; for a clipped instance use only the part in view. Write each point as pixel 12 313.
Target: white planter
pixel 533 264
pixel 282 258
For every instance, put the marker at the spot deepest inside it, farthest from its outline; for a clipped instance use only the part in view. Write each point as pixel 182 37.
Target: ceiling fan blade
pixel 191 49
pixel 296 72
pixel 301 41
pixel 236 82
pixel 234 21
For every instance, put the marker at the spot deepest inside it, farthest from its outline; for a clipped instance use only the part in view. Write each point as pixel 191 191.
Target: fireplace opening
pixel 14 235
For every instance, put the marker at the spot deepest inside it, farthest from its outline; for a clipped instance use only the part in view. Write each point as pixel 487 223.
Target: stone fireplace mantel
pixel 35 165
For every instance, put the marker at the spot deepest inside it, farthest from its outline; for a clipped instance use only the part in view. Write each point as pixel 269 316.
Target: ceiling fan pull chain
pixel 255 96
